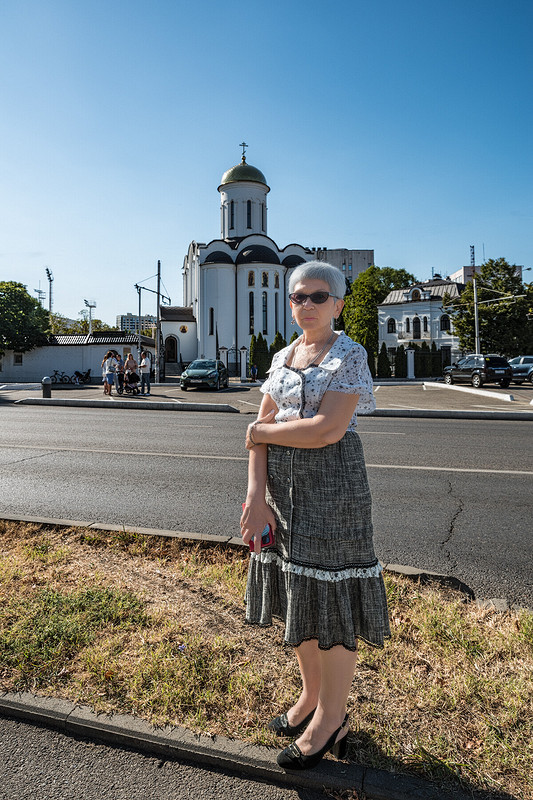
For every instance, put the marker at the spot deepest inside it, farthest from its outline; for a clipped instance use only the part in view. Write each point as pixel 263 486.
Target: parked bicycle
pixel 60 377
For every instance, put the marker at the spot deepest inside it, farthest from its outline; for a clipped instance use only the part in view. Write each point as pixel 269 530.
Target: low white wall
pixel 43 361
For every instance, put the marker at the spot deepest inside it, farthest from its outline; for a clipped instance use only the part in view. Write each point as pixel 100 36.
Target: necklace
pixel 317 356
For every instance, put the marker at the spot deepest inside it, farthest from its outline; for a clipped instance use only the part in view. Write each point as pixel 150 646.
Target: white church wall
pixel 219 289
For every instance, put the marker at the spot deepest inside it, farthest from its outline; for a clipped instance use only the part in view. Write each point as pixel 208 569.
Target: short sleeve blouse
pixel 298 393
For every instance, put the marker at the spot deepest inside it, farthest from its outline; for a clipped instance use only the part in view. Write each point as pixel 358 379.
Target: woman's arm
pixel 257 513
pixel 326 427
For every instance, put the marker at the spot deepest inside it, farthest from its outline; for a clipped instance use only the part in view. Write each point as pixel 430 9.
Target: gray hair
pixel 320 271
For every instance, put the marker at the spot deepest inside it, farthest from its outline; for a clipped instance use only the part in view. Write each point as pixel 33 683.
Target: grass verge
pixel 155 627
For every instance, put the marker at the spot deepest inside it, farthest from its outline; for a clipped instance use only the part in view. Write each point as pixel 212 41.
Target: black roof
pixel 177 314
pixel 100 337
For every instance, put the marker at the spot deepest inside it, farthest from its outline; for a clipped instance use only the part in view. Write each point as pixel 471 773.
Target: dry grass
pixel 155 627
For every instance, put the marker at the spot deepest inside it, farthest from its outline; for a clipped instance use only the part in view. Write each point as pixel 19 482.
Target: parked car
pixel 205 372
pixel 522 367
pixel 479 369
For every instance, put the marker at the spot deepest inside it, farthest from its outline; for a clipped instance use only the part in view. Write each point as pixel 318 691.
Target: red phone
pixel 267 536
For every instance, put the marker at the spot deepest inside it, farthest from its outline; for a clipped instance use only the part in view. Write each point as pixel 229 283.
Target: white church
pixel 237 285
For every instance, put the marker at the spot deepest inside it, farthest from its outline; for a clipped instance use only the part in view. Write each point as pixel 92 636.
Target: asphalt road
pixel 40 763
pixel 452 496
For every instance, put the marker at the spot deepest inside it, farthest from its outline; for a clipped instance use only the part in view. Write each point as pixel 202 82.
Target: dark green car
pixel 204 372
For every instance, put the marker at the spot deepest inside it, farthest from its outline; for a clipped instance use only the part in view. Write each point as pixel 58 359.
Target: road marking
pixel 255 405
pixel 380 433
pixel 451 469
pixel 245 458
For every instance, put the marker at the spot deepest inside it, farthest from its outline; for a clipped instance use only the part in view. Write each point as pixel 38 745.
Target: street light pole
pixel 477 345
pixel 90 306
pixel 476 317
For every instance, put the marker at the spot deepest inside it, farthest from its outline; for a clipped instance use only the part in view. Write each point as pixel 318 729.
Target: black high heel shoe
pixel 281 726
pixel 293 758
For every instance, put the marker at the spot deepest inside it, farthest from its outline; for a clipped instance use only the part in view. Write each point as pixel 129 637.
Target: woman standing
pixel 307 479
pixel 108 369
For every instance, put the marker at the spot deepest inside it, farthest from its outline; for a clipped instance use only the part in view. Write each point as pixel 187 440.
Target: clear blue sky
pixel 399 125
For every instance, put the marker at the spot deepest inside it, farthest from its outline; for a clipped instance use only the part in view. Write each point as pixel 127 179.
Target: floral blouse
pixel 298 393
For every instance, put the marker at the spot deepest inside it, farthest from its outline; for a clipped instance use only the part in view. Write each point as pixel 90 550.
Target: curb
pixel 255 761
pixel 415 573
pixel 443 414
pixel 138 404
pixel 225 408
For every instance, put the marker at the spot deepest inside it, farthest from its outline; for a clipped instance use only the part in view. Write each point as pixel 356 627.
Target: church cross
pixel 244 146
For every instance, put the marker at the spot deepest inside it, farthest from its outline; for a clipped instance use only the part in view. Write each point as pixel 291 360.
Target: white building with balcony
pixel 417 315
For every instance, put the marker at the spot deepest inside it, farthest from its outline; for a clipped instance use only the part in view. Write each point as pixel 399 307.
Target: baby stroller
pixel 131 382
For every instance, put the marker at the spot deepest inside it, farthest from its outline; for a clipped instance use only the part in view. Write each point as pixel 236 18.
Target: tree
pixel 278 344
pixel 400 363
pixel 262 358
pixel 24 323
pixel 63 325
pixel 294 337
pixel 384 369
pixel 504 327
pixel 360 311
pixel 253 350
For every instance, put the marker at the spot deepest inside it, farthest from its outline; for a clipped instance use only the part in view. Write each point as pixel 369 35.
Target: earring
pixel 293 321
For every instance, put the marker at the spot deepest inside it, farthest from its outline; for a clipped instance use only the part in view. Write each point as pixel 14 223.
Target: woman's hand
pixel 255 516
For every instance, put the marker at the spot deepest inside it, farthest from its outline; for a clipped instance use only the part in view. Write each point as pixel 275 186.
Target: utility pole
pixel 90 306
pixel 158 326
pixel 139 324
pixel 477 345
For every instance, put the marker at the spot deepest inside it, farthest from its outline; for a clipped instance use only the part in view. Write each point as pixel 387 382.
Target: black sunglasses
pixel 317 298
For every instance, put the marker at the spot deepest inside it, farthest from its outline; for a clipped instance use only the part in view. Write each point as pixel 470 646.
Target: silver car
pixel 522 367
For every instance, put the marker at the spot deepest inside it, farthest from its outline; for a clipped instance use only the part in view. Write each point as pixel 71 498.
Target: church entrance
pixel 171 350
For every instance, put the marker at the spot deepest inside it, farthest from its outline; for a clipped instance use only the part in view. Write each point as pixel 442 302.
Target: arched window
pixel 276 311
pixel 276 280
pixel 263 217
pixel 251 278
pixel 407 325
pixel 265 313
pixel 415 295
pixel 445 323
pixel 248 213
pixel 416 327
pixel 251 312
pixel 211 321
pixel 391 325
pixel 232 214
pixel 264 279
pixel 425 324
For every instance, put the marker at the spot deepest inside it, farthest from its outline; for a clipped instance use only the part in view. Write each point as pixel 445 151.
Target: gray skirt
pixel 321 576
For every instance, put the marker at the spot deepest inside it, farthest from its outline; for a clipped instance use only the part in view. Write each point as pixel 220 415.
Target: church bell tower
pixel 243 207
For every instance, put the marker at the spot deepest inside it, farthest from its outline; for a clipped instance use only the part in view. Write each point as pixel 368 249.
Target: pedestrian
pixel 253 372
pixel 119 374
pixel 307 479
pixel 108 371
pixel 145 369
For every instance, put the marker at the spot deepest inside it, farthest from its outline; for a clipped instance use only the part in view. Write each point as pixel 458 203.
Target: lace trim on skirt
pixel 270 556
